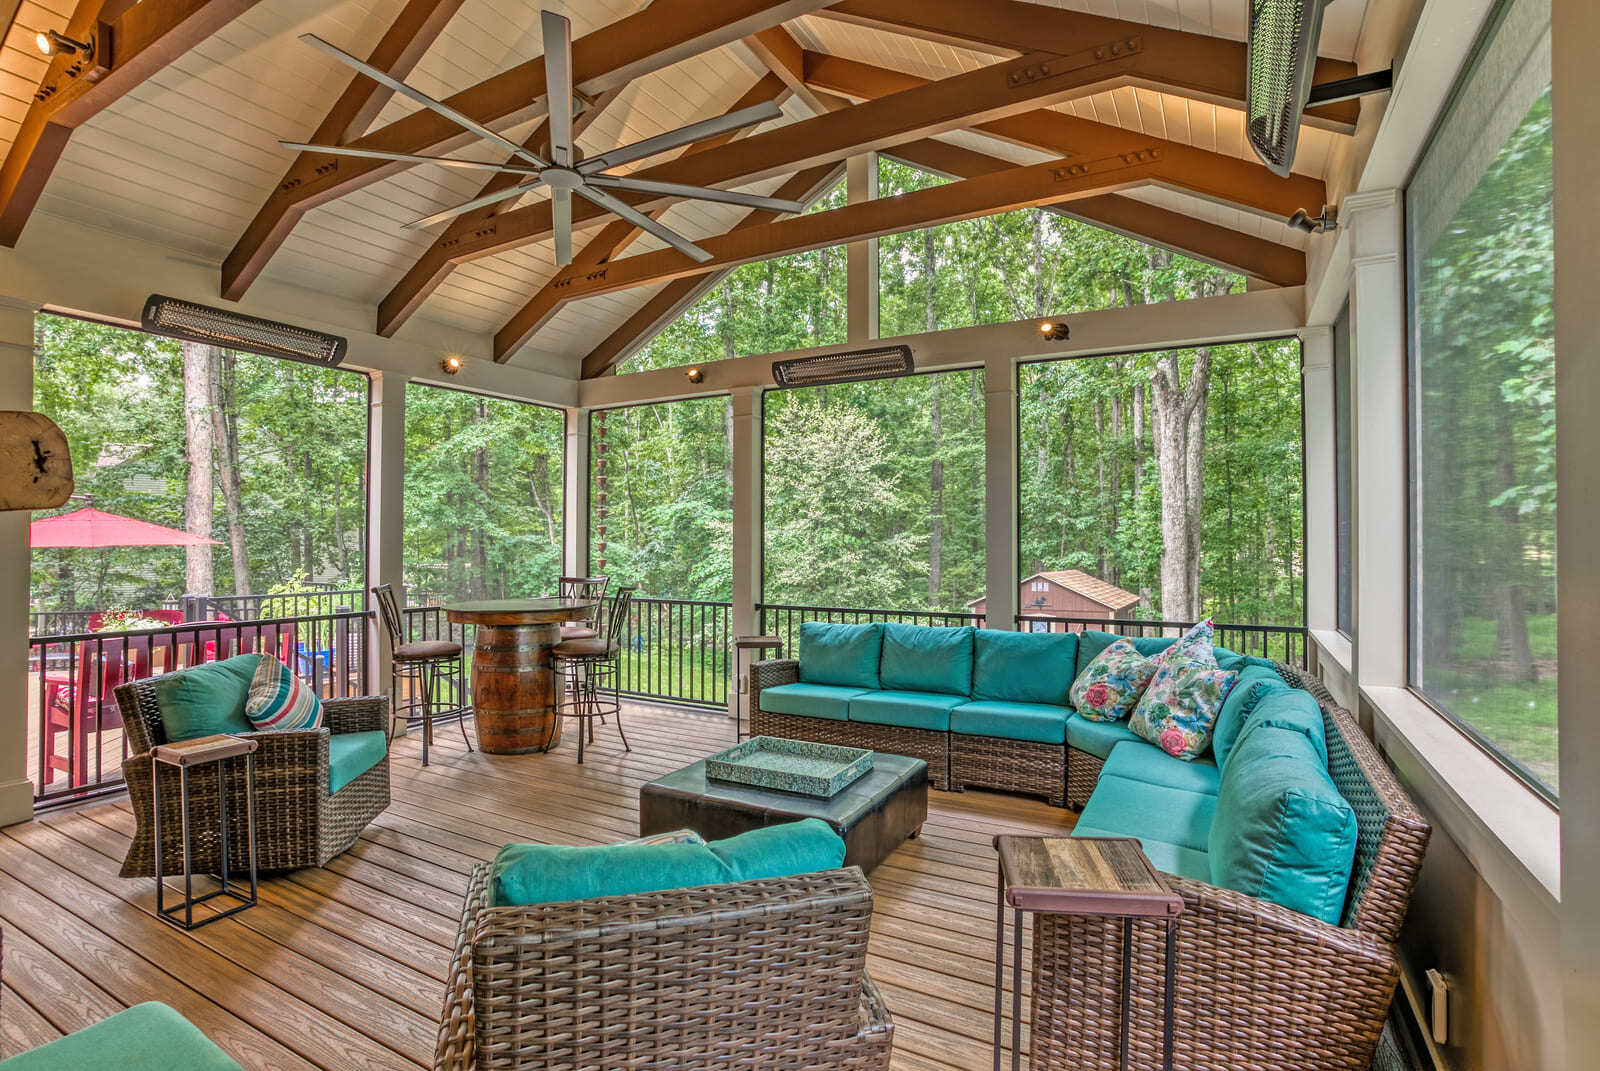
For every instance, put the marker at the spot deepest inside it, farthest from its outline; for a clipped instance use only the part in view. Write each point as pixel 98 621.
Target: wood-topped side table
pixel 741 685
pixel 1088 877
pixel 186 755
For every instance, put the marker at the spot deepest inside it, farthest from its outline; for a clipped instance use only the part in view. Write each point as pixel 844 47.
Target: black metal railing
pixel 784 621
pixel 676 650
pixel 430 623
pixel 1280 643
pixel 256 607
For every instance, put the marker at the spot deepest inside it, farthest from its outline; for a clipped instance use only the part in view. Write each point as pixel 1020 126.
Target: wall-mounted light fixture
pixel 53 43
pixel 1055 330
pixel 1328 221
pixel 695 375
pixel 452 364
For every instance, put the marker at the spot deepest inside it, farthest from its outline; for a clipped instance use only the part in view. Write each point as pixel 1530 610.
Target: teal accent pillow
pixel 919 658
pixel 1092 643
pixel 352 754
pixel 1282 832
pixel 145 1037
pixel 843 655
pixel 1294 709
pixel 802 847
pixel 1254 685
pixel 207 699
pixel 1023 667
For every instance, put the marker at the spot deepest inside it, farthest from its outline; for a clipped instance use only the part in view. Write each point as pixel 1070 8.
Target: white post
pixel 1000 492
pixel 1322 554
pixel 16 392
pixel 861 290
pixel 386 445
pixel 746 403
pixel 1379 448
pixel 575 496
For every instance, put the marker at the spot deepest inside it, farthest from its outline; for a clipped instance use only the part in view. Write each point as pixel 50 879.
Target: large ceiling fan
pixel 567 172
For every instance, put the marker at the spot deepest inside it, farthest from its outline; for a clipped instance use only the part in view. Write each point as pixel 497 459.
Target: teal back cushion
pixel 1091 643
pixel 1254 685
pixel 1282 832
pixel 917 658
pixel 207 699
pixel 1227 659
pixel 1024 667
pixel 1294 709
pixel 844 655
pixel 524 874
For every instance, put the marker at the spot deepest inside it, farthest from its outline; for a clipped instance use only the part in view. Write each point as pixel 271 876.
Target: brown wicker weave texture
pixel 1083 773
pixel 761 974
pixel 298 823
pixel 1009 765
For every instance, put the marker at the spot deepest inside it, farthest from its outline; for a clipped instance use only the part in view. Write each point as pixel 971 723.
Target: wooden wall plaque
pixel 35 465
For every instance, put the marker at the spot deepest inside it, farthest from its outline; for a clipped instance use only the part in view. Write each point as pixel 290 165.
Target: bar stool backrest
pixel 590 588
pixel 389 610
pixel 619 614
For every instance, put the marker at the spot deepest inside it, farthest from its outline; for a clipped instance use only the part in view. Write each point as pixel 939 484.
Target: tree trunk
pixel 478 581
pixel 199 452
pixel 930 282
pixel 1100 483
pixel 539 490
pixel 1179 419
pixel 225 420
pixel 1510 596
pixel 308 552
pixel 936 497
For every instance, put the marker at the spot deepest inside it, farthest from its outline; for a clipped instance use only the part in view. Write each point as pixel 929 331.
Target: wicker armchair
pixel 1259 987
pixel 299 822
pixel 765 975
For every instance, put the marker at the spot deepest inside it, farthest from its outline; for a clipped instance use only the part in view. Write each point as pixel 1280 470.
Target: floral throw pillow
pixel 1110 686
pixel 1180 708
pixel 1193 646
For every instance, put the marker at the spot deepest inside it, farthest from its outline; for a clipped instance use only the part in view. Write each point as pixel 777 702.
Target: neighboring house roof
pixel 1076 580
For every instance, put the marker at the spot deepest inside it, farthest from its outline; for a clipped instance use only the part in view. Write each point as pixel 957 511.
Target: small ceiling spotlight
pixel 53 43
pixel 452 364
pixel 1054 330
pixel 1328 221
pixel 696 375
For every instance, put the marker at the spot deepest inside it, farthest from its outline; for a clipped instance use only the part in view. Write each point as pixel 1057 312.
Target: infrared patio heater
pixel 1281 56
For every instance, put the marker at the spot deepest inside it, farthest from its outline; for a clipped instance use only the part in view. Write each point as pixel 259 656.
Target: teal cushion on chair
pixel 1294 709
pixel 1148 763
pixel 810 700
pixel 842 655
pixel 1139 809
pixel 802 847
pixel 207 699
pixel 1098 737
pixel 1254 685
pixel 145 1037
pixel 1091 643
pixel 1024 667
pixel 910 710
pixel 919 658
pixel 1163 855
pixel 1038 722
pixel 352 754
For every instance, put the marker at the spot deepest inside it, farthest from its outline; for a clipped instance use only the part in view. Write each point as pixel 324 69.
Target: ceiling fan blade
pixel 558 85
pixel 383 78
pixel 644 222
pixel 698 193
pixel 476 202
pixel 561 218
pixel 411 158
pixel 706 128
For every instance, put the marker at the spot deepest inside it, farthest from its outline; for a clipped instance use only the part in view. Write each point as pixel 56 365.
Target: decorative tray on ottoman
pixel 821 770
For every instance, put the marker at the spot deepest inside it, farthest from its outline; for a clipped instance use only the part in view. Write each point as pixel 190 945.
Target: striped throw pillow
pixel 280 701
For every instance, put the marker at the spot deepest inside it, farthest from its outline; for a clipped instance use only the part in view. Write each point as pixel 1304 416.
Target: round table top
pixel 518 611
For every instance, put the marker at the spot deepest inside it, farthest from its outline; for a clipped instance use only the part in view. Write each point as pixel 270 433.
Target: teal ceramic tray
pixel 799 766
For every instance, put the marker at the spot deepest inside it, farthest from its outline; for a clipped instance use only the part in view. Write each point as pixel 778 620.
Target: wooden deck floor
pixel 343 967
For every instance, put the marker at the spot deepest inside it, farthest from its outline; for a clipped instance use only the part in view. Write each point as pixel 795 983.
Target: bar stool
pixel 591 588
pixel 594 664
pixel 425 664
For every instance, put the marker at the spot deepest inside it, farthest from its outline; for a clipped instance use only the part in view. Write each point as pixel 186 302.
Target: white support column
pixel 746 403
pixel 386 445
pixel 16 392
pixel 1378 372
pixel 861 291
pixel 1000 492
pixel 575 494
pixel 1321 562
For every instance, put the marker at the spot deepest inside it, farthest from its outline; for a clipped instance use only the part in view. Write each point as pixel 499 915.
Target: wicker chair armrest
pixel 1212 905
pixel 361 714
pixel 456 1048
pixel 773 672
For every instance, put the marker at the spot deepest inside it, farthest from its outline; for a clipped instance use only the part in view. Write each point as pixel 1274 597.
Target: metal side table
pixel 188 755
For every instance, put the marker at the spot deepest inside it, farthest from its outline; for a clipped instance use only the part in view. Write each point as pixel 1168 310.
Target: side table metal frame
pixel 738 695
pixel 181 914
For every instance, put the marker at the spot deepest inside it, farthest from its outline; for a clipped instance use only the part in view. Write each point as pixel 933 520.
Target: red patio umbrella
pixel 90 527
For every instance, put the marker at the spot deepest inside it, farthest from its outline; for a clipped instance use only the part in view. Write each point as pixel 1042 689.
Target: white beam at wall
pixel 1321 564
pixel 575 494
pixel 1000 492
pixel 386 448
pixel 16 392
pixel 746 403
pixel 861 291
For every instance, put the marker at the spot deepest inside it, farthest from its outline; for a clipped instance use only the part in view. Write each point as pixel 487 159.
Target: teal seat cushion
pixel 207 699
pixel 1149 764
pixel 910 710
pixel 1131 808
pixel 352 754
pixel 842 655
pixel 1041 723
pixel 1098 737
pixel 1167 857
pixel 810 700
pixel 1294 709
pixel 1091 643
pixel 802 847
pixel 920 658
pixel 145 1037
pixel 1282 831
pixel 1024 667
pixel 1254 685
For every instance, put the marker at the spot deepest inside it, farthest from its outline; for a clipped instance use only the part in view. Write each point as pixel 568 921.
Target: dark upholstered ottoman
pixel 874 815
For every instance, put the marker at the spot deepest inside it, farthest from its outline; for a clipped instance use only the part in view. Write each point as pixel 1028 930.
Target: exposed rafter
pixel 658 36
pixel 1175 61
pixel 132 44
pixel 783 56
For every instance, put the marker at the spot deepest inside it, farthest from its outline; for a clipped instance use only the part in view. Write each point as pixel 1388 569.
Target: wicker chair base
pixel 1083 773
pixel 928 745
pixel 1023 766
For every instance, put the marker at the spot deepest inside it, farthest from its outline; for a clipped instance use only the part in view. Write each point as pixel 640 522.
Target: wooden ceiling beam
pixel 1216 176
pixel 784 57
pixel 679 294
pixel 1273 262
pixel 143 39
pixel 658 36
pixel 1198 66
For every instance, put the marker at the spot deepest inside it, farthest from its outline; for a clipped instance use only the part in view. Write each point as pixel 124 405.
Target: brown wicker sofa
pixel 299 823
pixel 766 974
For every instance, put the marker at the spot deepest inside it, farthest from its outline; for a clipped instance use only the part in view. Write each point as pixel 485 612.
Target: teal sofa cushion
pixel 842 655
pixel 1294 709
pixel 810 700
pixel 1024 667
pixel 1139 809
pixel 1097 737
pixel 207 699
pixel 919 658
pixel 1254 685
pixel 910 710
pixel 145 1037
pixel 1091 643
pixel 352 754
pixel 1041 723
pixel 1149 764
pixel 802 847
pixel 1165 856
pixel 1282 831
